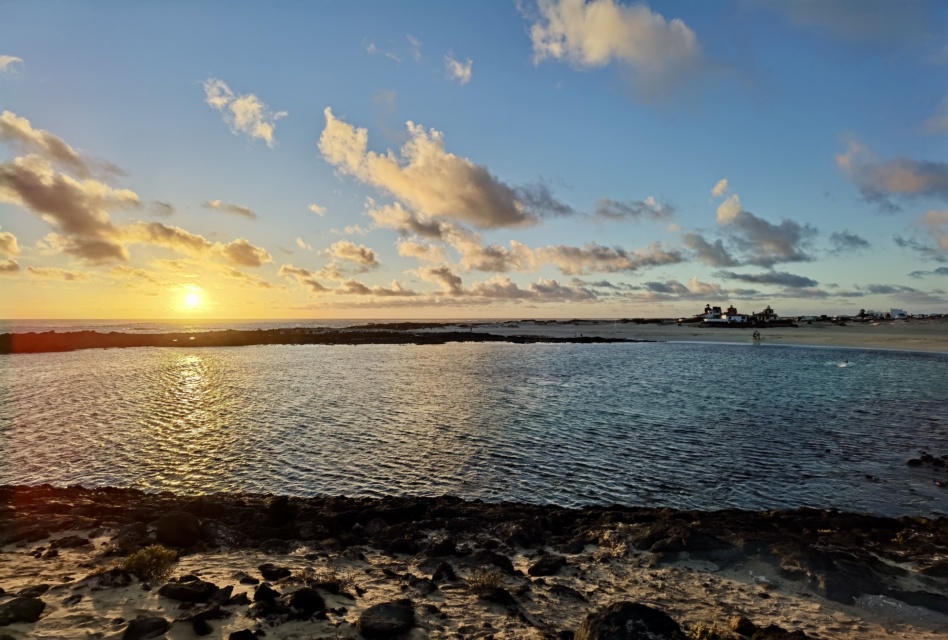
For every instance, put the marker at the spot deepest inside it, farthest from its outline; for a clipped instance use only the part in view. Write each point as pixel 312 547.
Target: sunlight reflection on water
pixel 683 425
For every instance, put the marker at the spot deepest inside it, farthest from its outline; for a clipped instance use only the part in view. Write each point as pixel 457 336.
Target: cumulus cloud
pixel 357 254
pixel 843 241
pixel 349 286
pixel 710 253
pixel 458 70
pixel 226 207
pixel 302 244
pixel 780 278
pixel 19 133
pixel 247 279
pixel 882 183
pixel 318 210
pixel 427 179
pixel 242 113
pixel 9 63
pixel 77 208
pixel 304 276
pixel 9 266
pixel 762 243
pixel 661 54
pixel 239 252
pixel 450 283
pixel 51 273
pixel 857 21
pixel 614 210
pixel 422 252
pixel 8 244
pixel 596 258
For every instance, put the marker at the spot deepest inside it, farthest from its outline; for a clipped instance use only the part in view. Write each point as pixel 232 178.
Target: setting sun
pixel 192 300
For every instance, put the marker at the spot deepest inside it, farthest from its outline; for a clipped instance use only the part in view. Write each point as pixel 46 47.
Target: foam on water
pixel 683 425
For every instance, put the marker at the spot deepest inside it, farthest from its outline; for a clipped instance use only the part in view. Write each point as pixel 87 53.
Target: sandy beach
pixel 908 335
pixel 456 569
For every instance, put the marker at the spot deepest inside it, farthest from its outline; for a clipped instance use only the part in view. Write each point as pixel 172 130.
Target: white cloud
pixel 883 183
pixel 720 188
pixel 318 210
pixel 302 244
pixel 9 63
pixel 428 179
pixel 359 255
pixel 9 266
pixel 414 45
pixel 244 113
pixel 729 209
pixel 8 244
pixel 457 70
pixel 20 133
pixel 660 53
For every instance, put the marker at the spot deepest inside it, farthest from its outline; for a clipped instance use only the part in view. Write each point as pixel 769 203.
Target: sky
pixel 501 159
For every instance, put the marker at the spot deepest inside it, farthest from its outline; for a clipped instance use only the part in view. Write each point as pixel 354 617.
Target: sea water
pixel 653 424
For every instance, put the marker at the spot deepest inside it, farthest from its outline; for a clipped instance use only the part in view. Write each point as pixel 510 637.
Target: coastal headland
pixel 442 567
pixel 907 335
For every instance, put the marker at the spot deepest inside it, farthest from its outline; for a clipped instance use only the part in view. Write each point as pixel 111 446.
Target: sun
pixel 192 300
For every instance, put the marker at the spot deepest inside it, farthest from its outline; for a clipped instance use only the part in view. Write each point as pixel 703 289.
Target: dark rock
pixel 202 627
pixel 240 600
pixel 444 572
pixel 484 558
pixel 305 602
pixel 374 527
pixel 265 593
pixel 52 553
pixel 547 565
pixel 69 542
pixel 193 591
pixel 244 578
pixel 178 529
pixel 499 595
pixel 629 621
pixel 773 632
pixel 243 634
pixel 564 591
pixel 938 569
pixel 281 512
pixel 400 545
pixel 931 601
pixel 144 627
pixel 422 586
pixel 21 609
pixel 270 571
pixel 742 625
pixel 76 598
pixel 34 592
pixel 110 579
pixel 387 619
pixel 443 547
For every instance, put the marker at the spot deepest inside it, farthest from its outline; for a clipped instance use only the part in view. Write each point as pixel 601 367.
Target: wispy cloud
pixel 457 69
pixel 887 183
pixel 9 63
pixel 318 210
pixel 226 207
pixel 244 113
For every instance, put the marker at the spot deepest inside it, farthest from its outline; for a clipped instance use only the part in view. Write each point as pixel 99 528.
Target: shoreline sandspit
pixel 120 563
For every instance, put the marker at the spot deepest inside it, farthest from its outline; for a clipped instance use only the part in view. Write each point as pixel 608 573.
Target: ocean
pixel 683 425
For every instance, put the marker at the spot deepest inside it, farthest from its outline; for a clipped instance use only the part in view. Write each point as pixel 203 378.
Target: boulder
pixel 34 592
pixel 69 542
pixel 270 571
pixel 387 620
pixel 192 591
pixel 305 602
pixel 629 621
pixel 547 565
pixel 144 627
pixel 21 609
pixel 178 529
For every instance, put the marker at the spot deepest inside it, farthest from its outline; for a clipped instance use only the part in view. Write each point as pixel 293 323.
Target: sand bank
pixel 467 569
pixel 909 335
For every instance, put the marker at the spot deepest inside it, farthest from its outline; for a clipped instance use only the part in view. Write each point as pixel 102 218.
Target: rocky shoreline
pixel 254 566
pixel 396 333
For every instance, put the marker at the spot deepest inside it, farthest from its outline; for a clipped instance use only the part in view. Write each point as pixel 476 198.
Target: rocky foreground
pixel 396 333
pixel 251 566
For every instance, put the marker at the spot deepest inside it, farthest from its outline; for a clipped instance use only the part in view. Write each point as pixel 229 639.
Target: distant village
pixel 729 317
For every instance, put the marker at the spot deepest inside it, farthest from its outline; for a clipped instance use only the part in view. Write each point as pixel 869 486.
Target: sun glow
pixel 191 299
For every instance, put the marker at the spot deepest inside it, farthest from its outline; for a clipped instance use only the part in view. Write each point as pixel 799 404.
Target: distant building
pixel 900 314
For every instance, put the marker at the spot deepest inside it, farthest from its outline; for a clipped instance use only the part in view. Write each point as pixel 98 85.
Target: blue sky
pixel 491 159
